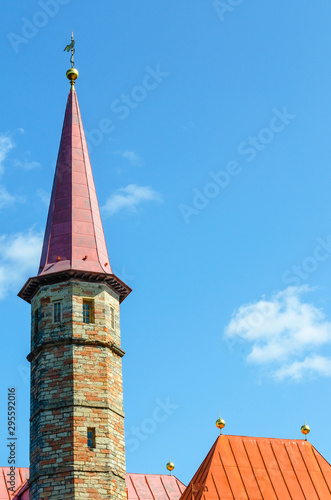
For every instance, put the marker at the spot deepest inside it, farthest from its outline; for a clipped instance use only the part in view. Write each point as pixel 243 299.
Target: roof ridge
pixel 255 438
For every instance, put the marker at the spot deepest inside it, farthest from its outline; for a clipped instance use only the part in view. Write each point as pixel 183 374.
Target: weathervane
pixel 71 47
pixel 72 73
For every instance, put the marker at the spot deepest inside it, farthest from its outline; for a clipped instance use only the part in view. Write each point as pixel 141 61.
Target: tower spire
pixel 76 415
pixel 74 240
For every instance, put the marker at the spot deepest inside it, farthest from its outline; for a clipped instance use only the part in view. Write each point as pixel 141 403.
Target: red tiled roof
pixel 74 237
pixel 260 468
pixel 139 486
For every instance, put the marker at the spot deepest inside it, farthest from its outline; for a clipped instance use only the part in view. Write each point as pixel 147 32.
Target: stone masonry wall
pixel 76 383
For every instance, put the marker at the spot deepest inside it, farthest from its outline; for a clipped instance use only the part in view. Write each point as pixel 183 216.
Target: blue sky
pixel 209 132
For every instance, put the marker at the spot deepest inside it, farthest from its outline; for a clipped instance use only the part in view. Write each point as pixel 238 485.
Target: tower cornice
pixel 111 280
pixel 78 342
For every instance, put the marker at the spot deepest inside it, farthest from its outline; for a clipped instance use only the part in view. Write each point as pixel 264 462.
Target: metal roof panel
pixel 262 469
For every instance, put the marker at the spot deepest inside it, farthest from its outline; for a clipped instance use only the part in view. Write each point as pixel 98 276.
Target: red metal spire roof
pixel 74 237
pixel 259 468
pixel 74 242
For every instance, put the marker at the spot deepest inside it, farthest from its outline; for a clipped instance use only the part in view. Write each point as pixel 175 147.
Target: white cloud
pixel 5 198
pixel 6 144
pixel 132 156
pixel 312 365
pixel 26 164
pixel 19 258
pixel 281 331
pixel 44 197
pixel 129 198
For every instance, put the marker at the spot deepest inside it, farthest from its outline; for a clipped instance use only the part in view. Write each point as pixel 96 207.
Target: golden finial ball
pixel 170 466
pixel 220 423
pixel 305 429
pixel 72 74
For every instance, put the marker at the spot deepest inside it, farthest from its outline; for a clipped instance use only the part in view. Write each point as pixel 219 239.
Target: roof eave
pixel 111 280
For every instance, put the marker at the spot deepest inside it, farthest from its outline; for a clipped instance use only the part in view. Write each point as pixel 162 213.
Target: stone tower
pixel 77 419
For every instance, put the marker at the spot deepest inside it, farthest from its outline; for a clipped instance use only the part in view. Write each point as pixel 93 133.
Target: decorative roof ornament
pixel 305 429
pixel 72 73
pixel 170 466
pixel 220 424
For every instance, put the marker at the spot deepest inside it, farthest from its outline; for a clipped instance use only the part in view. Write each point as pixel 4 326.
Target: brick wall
pixel 76 383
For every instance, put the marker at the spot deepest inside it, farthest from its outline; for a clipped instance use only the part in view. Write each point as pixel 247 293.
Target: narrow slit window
pixel 112 318
pixel 57 312
pixel 91 437
pixel 87 311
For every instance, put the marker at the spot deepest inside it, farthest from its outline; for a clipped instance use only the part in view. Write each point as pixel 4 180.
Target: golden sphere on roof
pixel 170 466
pixel 72 74
pixel 220 423
pixel 305 429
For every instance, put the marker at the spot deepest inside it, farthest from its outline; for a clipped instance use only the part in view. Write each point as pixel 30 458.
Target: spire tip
pixel 72 73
